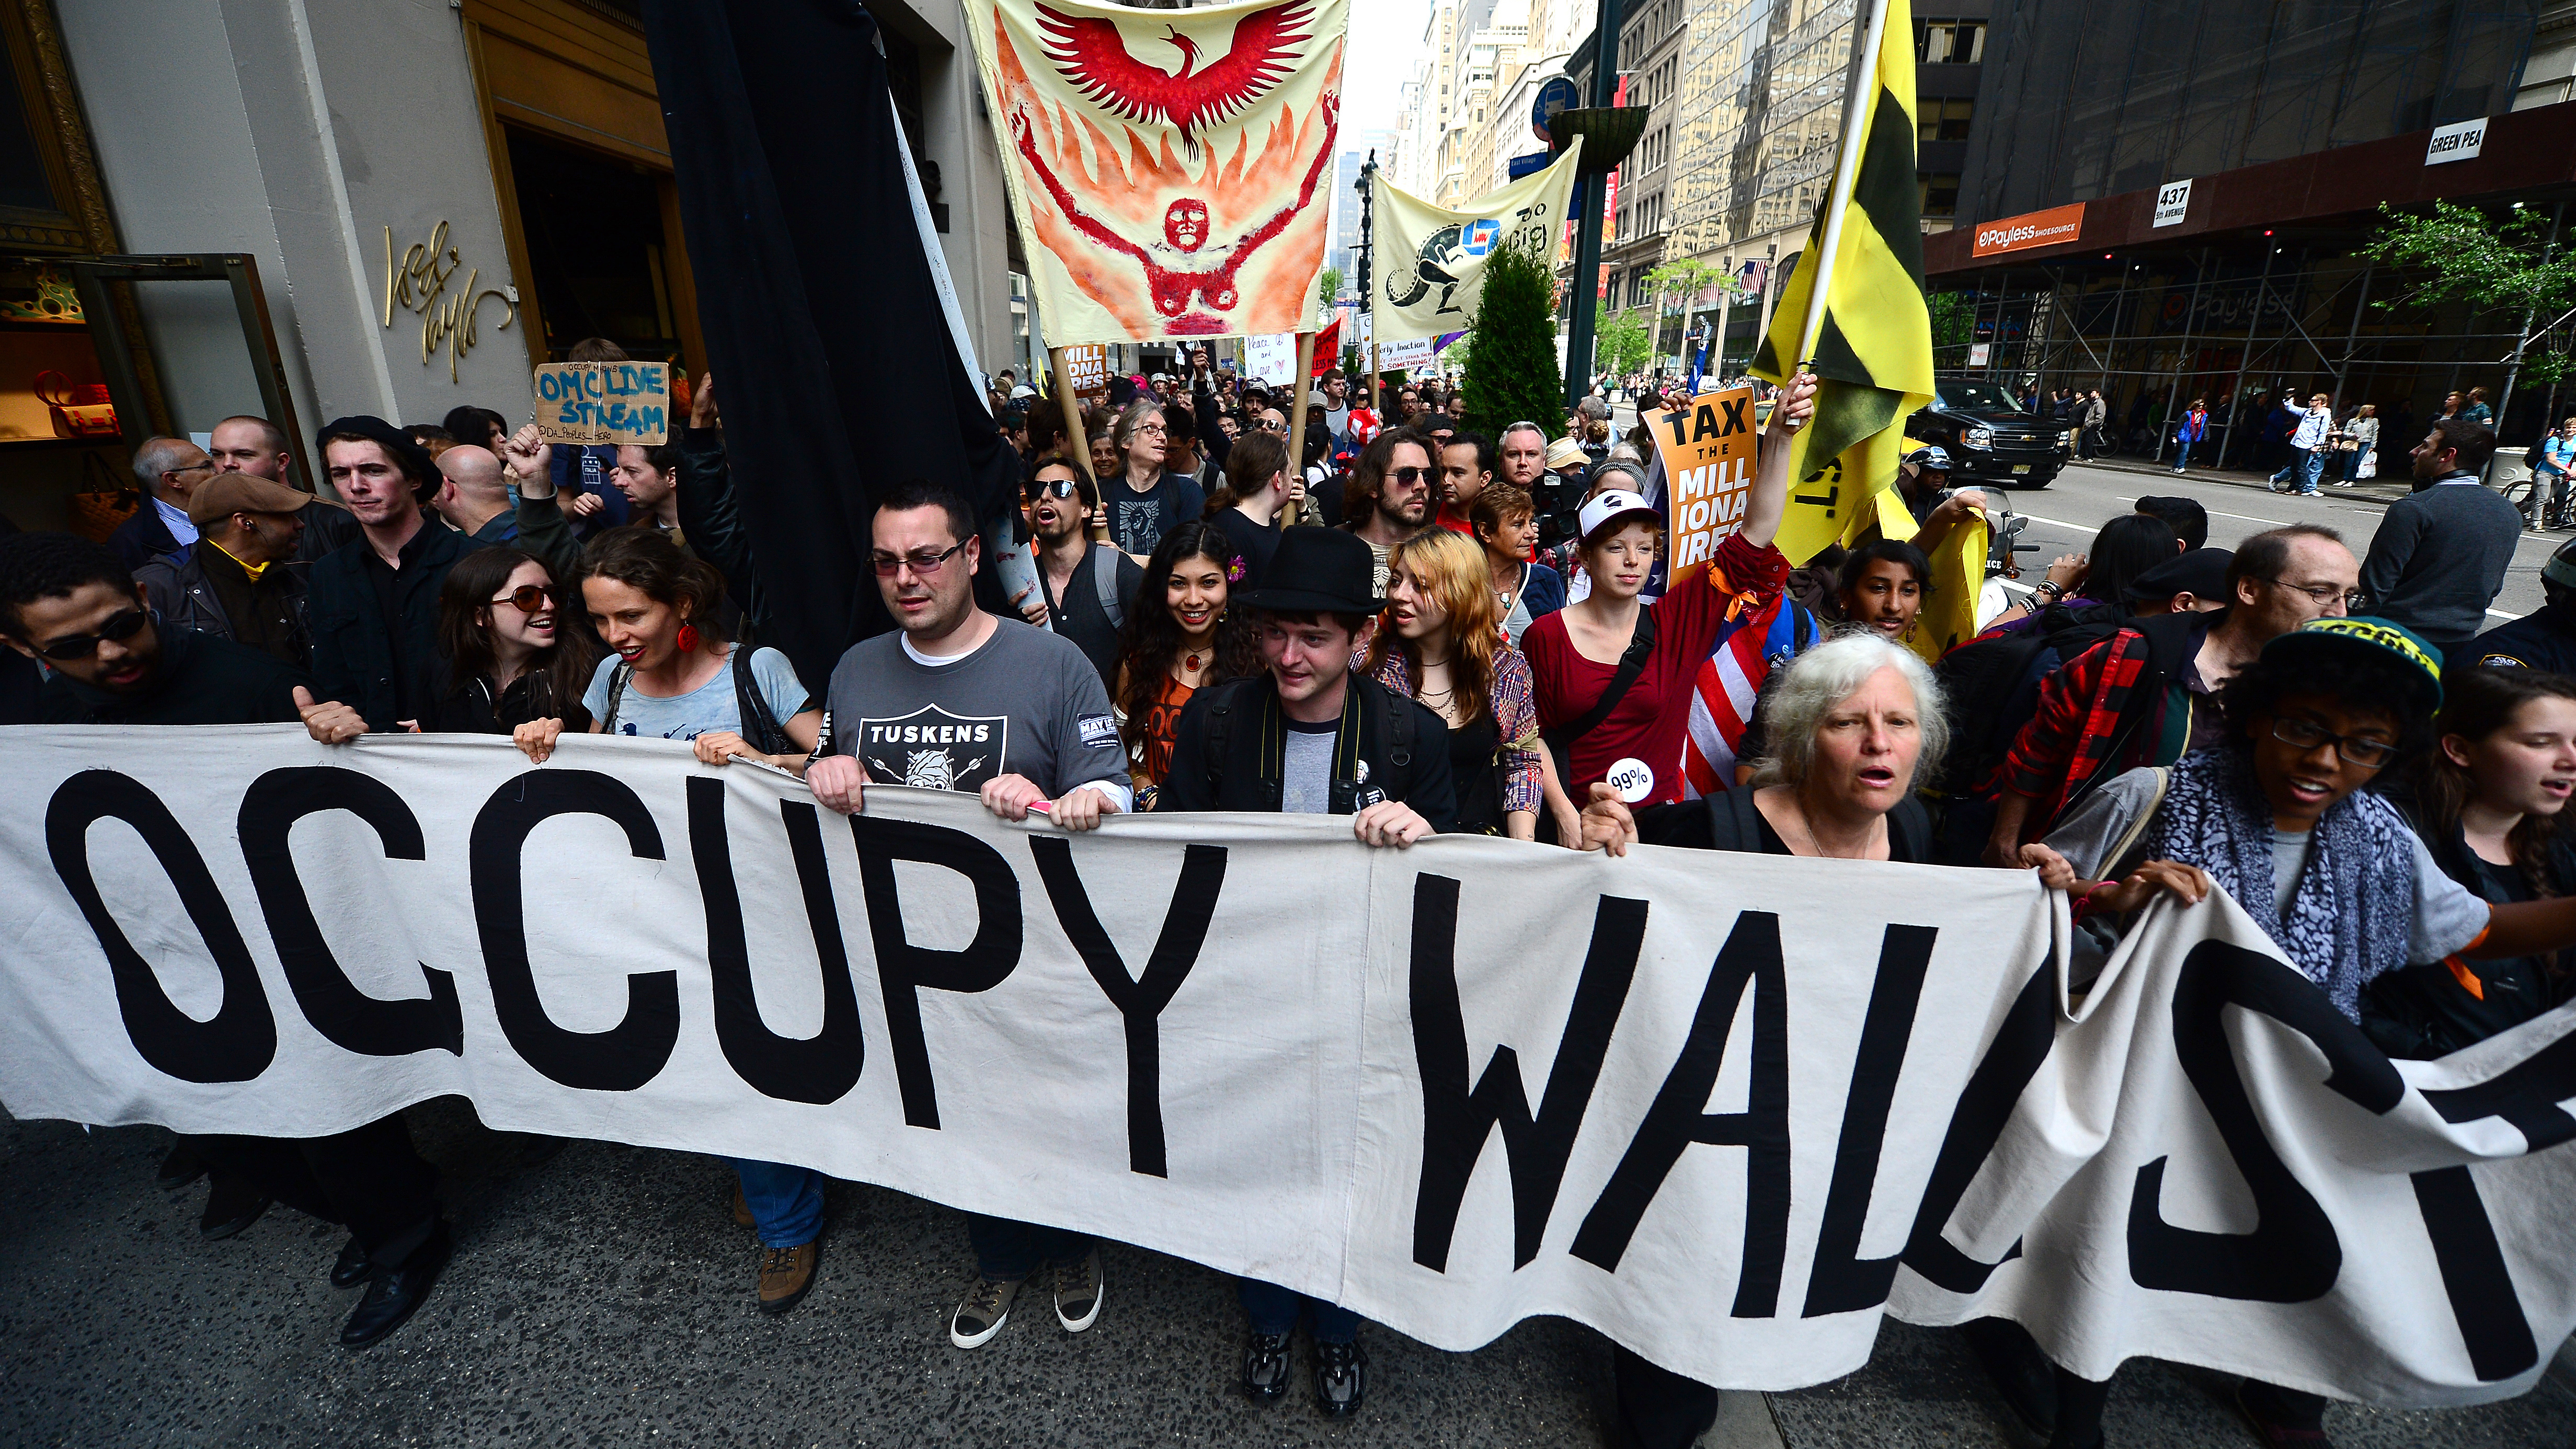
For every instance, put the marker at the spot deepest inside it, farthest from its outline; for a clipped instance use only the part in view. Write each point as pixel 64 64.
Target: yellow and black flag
pixel 1873 351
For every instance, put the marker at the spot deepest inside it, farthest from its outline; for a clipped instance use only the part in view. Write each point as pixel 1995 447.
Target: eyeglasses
pixel 2354 600
pixel 1408 476
pixel 119 627
pixel 1153 430
pixel 1060 487
pixel 528 598
pixel 2307 734
pixel 921 560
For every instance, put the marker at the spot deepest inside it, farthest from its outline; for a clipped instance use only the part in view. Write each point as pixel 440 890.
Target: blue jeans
pixel 2182 453
pixel 786 1202
pixel 1274 1309
pixel 2305 467
pixel 1009 1252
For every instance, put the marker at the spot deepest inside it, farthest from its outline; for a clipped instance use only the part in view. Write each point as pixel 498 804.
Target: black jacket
pixel 144 537
pixel 2543 640
pixel 354 643
pixel 711 520
pixel 185 598
pixel 1729 820
pixel 1230 745
pixel 2427 1011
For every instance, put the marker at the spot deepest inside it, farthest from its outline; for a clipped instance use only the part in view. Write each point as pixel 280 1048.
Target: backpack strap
pixel 1104 579
pixel 760 727
pixel 617 678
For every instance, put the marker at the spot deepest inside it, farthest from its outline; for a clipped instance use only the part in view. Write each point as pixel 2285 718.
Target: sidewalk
pixel 2382 489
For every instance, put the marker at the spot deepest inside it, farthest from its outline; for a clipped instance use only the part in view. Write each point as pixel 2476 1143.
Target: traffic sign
pixel 1557 95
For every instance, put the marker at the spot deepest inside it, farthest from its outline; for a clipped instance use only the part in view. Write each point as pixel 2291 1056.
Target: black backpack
pixel 1985 689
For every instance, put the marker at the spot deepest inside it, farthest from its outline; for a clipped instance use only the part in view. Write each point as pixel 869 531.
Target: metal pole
pixel 2182 358
pixel 1864 75
pixel 1587 213
pixel 1368 250
pixel 2352 334
pixel 2235 394
pixel 2522 335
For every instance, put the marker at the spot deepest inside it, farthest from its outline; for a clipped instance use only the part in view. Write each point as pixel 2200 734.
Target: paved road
pixel 2065 514
pixel 603 1297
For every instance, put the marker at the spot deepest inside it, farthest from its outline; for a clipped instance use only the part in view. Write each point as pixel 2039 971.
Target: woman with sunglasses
pixel 676 676
pixel 507 662
pixel 1180 638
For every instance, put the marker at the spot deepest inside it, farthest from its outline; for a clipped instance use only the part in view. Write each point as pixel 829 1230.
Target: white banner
pixel 1404 352
pixel 1271 357
pixel 1429 262
pixel 1727 1109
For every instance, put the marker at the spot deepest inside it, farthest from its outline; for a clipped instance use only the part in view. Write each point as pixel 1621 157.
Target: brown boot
pixel 742 1208
pixel 787 1275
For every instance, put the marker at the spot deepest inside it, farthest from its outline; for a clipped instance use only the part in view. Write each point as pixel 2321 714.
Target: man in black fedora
pixel 1308 736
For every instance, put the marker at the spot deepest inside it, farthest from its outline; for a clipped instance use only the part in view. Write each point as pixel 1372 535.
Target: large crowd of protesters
pixel 1411 624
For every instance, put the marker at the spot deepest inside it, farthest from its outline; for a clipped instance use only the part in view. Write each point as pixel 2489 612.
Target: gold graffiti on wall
pixel 418 283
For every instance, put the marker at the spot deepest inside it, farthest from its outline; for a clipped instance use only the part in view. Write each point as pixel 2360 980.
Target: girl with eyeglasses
pixel 508 662
pixel 2279 817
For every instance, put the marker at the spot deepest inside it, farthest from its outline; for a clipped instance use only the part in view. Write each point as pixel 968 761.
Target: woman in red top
pixel 1180 638
pixel 1574 653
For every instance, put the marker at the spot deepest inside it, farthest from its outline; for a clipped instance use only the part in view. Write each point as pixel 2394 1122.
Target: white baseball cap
pixel 1611 504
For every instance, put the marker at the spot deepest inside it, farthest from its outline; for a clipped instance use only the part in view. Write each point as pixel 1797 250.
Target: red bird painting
pixel 1093 55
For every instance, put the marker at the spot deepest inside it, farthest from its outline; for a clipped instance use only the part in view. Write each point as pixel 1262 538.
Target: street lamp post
pixel 1368 250
pixel 1587 212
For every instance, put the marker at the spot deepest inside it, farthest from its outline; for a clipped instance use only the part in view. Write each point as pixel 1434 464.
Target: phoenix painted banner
pixel 1167 168
pixel 1430 261
pixel 1730 1110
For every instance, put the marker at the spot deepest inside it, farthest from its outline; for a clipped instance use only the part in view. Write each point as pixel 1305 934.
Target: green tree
pixel 1511 370
pixel 2504 263
pixel 1328 286
pixel 1623 342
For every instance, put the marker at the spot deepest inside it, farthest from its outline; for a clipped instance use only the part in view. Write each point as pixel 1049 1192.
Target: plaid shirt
pixel 2068 741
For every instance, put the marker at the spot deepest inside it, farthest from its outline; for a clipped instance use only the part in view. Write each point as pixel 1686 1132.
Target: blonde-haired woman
pixel 1442 643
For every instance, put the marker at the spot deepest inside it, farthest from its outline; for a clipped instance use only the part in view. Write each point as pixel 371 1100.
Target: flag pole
pixel 1297 389
pixel 1846 174
pixel 1070 404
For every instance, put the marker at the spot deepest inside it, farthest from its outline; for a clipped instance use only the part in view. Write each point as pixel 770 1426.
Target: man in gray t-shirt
pixel 962 700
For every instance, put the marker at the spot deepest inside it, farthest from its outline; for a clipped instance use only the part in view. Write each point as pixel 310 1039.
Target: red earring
pixel 688 640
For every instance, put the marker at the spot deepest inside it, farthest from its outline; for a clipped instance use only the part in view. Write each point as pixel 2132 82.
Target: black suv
pixel 1990 438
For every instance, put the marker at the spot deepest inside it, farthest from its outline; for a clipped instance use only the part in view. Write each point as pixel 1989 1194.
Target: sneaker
pixel 986 1309
pixel 1341 1378
pixel 1267 1364
pixel 787 1275
pixel 1077 1292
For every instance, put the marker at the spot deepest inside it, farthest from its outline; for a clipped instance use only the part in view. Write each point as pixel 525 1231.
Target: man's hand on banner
pixel 1081 808
pixel 536 739
pixel 331 723
pixel 1031 605
pixel 1608 825
pixel 2188 882
pixel 1389 822
pixel 838 782
pixel 1010 796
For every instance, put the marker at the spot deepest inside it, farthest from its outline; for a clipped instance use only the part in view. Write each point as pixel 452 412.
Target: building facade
pixel 433 195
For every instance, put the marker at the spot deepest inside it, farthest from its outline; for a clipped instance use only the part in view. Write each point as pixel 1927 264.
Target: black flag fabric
pixel 833 358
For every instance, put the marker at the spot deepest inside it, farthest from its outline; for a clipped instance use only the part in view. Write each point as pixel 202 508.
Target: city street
pixel 602 1296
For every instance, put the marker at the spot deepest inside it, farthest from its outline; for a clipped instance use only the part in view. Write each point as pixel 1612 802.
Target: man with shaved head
pixel 245 443
pixel 474 495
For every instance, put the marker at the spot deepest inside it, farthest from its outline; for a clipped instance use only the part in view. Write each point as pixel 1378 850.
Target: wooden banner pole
pixel 1298 388
pixel 1070 403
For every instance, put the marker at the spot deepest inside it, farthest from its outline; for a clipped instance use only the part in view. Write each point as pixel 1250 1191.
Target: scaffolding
pixel 2240 326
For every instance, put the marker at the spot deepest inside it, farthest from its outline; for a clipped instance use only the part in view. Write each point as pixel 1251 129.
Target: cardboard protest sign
pixel 1166 167
pixel 1707 451
pixel 1086 371
pixel 604 402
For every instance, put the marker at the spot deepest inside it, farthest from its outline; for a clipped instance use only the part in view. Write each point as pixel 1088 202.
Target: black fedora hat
pixel 1318 571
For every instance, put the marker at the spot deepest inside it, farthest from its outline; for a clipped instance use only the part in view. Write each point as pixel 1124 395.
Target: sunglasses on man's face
pixel 528 598
pixel 1408 476
pixel 1060 487
pixel 120 626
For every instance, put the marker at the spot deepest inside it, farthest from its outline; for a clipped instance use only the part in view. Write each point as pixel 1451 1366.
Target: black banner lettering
pixel 823 1067
pixel 1842 1280
pixel 904 969
pixel 1140 1000
pixel 1977 1123
pixel 2293 1255
pixel 240 1041
pixel 2474 1274
pixel 625 1056
pixel 1457 1122
pixel 347 1017
pixel 1680 1117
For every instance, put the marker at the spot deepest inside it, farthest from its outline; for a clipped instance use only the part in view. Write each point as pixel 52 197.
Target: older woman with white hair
pixel 1849 722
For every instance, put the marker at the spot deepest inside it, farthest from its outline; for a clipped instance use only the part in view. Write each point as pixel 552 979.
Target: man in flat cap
pixel 241 581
